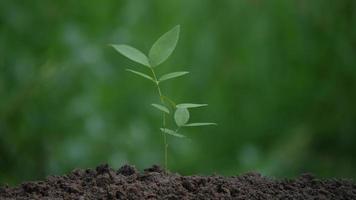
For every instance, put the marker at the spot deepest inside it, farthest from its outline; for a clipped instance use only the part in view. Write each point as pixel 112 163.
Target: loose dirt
pixel 153 183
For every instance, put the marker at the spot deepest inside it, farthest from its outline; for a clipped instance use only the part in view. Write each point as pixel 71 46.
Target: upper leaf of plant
pixel 132 54
pixel 190 105
pixel 164 47
pixel 141 74
pixel 172 75
pixel 181 116
pixel 161 108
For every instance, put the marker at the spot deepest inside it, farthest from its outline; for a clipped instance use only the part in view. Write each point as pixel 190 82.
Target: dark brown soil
pixel 154 183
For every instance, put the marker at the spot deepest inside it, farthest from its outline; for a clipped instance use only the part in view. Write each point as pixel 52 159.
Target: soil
pixel 154 183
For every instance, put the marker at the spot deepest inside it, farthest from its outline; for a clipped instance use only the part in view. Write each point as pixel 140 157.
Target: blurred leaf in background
pixel 279 76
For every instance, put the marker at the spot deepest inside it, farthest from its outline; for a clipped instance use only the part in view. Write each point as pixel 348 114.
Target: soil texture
pixel 154 183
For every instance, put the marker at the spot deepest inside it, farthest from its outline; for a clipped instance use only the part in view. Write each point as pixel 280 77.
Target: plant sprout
pixel 159 52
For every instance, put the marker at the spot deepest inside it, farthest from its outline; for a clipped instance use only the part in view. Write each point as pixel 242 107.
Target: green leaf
pixel 171 132
pixel 161 108
pixel 181 116
pixel 172 75
pixel 164 47
pixel 201 124
pixel 141 74
pixel 190 105
pixel 132 54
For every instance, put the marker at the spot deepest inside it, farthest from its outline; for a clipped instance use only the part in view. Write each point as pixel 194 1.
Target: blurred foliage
pixel 279 77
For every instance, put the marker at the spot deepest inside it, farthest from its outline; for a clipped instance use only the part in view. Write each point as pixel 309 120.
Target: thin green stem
pixel 161 97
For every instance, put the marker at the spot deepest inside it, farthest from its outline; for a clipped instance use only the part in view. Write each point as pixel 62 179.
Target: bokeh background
pixel 279 77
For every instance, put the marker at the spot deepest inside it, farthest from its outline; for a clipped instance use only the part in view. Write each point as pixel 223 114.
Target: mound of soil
pixel 154 183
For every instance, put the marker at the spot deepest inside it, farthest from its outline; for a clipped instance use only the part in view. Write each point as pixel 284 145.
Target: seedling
pixel 159 52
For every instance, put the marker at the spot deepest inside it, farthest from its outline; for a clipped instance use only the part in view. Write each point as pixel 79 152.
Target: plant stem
pixel 161 97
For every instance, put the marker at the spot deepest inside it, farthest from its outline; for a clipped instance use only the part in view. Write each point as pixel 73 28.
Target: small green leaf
pixel 164 47
pixel 190 105
pixel 171 132
pixel 172 75
pixel 141 74
pixel 201 124
pixel 161 108
pixel 132 54
pixel 181 116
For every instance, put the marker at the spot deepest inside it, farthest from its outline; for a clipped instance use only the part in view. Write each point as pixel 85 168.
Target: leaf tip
pixel 114 45
pixel 177 27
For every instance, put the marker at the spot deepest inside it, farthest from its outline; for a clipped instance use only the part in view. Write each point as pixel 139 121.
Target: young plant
pixel 159 52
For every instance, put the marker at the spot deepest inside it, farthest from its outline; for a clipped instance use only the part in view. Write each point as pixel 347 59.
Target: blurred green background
pixel 279 77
